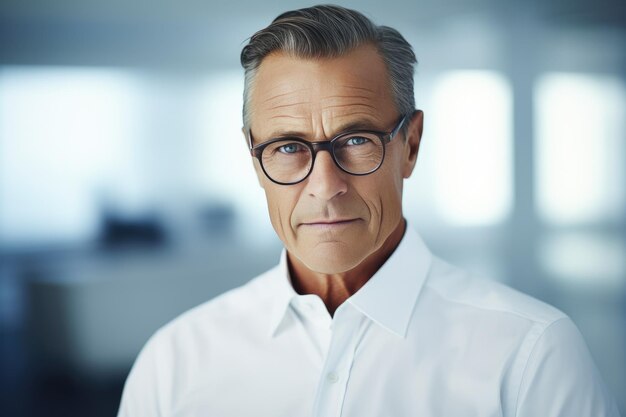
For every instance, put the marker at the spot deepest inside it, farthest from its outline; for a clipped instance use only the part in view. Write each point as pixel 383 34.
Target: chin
pixel 331 258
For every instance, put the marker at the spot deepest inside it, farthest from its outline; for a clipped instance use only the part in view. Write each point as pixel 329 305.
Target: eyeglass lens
pixel 288 161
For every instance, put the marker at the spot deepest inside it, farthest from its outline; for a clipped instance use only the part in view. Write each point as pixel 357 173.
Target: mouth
pixel 328 223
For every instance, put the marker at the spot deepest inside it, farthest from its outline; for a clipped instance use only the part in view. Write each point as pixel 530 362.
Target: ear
pixel 260 176
pixel 412 144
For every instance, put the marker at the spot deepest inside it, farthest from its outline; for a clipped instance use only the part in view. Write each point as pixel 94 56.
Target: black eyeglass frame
pixel 326 145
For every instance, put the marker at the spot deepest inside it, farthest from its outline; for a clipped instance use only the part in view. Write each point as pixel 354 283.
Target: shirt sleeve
pixel 143 394
pixel 560 378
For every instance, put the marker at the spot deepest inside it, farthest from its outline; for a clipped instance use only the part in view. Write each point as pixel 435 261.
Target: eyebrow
pixel 360 124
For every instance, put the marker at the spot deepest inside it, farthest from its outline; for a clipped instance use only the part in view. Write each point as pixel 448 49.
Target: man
pixel 359 318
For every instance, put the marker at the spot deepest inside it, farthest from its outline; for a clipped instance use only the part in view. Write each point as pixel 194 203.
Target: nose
pixel 326 180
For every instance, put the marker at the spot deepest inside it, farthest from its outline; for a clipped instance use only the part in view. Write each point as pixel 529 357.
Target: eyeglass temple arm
pixel 249 139
pixel 395 131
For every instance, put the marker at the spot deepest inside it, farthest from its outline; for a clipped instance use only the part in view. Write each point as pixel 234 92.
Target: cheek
pixel 280 205
pixel 394 183
pixel 260 175
pixel 384 198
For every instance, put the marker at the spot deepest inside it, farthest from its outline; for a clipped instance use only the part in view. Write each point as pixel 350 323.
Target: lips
pixel 328 222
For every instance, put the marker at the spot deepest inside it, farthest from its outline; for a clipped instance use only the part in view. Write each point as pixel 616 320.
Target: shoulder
pixel 542 353
pixel 497 322
pixel 196 333
pixel 467 291
pixel 161 373
pixel 232 307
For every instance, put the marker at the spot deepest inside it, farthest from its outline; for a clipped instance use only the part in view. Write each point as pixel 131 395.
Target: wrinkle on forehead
pixel 284 91
pixel 318 97
pixel 283 96
pixel 280 98
pixel 349 105
pixel 328 102
pixel 365 93
pixel 280 106
pixel 288 116
pixel 323 121
pixel 356 87
pixel 326 109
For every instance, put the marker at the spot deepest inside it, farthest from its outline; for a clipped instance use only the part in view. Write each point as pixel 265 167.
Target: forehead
pixel 317 96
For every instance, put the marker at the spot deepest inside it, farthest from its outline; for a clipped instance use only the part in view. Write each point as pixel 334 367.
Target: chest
pixel 361 370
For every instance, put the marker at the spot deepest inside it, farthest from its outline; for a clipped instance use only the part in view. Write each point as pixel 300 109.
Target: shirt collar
pixel 388 298
pixel 282 293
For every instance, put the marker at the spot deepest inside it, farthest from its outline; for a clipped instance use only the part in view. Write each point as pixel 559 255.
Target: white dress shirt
pixel 420 338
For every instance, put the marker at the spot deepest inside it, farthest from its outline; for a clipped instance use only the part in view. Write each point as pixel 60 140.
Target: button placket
pixel 333 384
pixel 332 377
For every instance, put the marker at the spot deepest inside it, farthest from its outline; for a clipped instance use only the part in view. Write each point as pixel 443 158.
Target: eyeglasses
pixel 290 160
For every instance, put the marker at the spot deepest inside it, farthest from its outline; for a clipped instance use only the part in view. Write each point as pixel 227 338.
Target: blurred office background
pixel 127 195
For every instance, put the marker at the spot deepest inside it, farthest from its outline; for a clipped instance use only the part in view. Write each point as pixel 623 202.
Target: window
pixel 224 167
pixel 471 137
pixel 579 142
pixel 65 135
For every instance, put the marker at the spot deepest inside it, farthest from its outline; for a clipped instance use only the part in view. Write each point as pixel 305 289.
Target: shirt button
pixel 332 377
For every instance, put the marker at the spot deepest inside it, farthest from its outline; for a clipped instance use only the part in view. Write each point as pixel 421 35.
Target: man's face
pixel 332 220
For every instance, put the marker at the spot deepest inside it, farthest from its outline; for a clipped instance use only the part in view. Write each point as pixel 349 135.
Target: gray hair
pixel 328 31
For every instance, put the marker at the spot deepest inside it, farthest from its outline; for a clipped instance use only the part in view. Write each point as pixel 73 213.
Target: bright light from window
pixel 471 137
pixel 63 132
pixel 579 144
pixel 224 165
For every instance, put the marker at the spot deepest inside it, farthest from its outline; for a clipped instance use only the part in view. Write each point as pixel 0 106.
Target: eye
pixel 357 140
pixel 291 148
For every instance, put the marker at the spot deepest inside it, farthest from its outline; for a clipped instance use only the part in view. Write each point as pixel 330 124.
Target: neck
pixel 334 289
